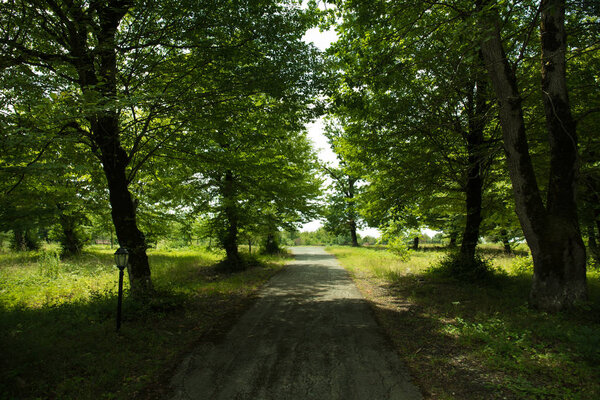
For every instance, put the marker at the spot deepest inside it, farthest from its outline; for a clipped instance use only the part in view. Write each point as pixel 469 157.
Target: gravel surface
pixel 311 335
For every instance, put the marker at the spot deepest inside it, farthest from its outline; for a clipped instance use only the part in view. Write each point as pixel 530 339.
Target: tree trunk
pixel 18 241
pixel 415 245
pixel 453 237
pixel 552 232
pixel 505 242
pixel 593 244
pixel 97 78
pixel 124 218
pixel 477 108
pixel 70 242
pixel 250 246
pixel 352 211
pixel 353 233
pixel 230 239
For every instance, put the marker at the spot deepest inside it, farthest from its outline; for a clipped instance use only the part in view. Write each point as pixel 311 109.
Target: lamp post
pixel 121 257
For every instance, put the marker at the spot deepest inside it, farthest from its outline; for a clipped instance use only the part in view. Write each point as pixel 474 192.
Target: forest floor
pixel 479 341
pixel 57 321
pixel 311 335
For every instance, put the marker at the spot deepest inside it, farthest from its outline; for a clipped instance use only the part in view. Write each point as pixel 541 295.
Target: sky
pixel 322 40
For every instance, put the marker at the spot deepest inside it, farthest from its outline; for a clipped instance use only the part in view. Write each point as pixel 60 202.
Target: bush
pixel 398 247
pixel 456 265
pixel 523 265
pixel 49 264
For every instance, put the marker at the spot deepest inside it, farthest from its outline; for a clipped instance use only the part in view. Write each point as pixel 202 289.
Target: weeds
pixel 456 265
pixel 465 340
pixel 57 321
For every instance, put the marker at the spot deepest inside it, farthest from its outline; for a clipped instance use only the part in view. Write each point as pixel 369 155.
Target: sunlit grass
pixel 481 340
pixel 57 319
pixel 381 262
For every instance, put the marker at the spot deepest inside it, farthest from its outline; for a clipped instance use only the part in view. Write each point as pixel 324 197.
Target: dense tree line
pixel 156 108
pixel 444 106
pixel 148 118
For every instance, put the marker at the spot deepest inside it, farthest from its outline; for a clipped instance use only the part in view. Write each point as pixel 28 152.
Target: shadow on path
pixel 311 335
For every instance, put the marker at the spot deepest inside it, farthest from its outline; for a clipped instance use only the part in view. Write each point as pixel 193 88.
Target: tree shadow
pixel 482 341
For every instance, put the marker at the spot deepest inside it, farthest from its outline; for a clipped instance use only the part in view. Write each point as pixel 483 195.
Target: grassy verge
pixel 467 341
pixel 57 321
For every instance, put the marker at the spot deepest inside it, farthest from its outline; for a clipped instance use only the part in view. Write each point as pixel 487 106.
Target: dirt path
pixel 311 335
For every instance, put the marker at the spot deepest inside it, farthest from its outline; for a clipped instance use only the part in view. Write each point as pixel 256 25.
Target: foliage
pixel 397 245
pixel 456 265
pixel 523 265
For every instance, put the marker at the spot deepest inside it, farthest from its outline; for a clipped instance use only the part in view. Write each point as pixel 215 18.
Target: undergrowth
pixel 57 320
pixel 468 339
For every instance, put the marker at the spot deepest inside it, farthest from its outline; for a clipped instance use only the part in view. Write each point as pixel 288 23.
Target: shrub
pixel 398 247
pixel 49 264
pixel 522 265
pixel 456 265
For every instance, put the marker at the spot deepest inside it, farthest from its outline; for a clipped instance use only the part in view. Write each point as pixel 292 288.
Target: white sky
pixel 322 40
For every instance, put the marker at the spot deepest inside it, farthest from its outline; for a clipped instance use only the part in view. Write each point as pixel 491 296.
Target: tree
pixel 127 71
pixel 415 104
pixel 340 213
pixel 551 229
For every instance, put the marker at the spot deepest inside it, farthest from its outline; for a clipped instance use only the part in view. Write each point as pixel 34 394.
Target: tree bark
pixel 552 231
pixel 97 76
pixel 230 238
pixel 477 108
pixel 352 211
pixel 353 234
pixel 505 242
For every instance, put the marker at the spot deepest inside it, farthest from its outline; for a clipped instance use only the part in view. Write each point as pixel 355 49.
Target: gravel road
pixel 311 335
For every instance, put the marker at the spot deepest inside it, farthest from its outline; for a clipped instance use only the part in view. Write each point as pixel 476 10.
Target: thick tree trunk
pixel 477 109
pixel 552 232
pixel 124 217
pixel 97 78
pixel 353 234
pixel 230 238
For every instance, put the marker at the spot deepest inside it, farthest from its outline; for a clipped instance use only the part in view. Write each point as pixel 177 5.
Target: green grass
pixel 57 321
pixel 480 340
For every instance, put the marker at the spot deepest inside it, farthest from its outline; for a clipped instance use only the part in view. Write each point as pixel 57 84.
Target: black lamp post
pixel 121 257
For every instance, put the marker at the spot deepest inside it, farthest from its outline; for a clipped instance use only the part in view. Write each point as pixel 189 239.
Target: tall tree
pixel 415 101
pixel 551 229
pixel 130 70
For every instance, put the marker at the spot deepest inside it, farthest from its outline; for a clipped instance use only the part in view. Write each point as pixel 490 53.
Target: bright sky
pixel 322 40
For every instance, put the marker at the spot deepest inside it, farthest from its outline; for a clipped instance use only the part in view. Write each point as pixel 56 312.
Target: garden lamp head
pixel 121 257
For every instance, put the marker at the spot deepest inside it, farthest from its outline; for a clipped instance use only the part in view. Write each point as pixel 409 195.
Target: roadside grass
pixel 480 341
pixel 57 321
